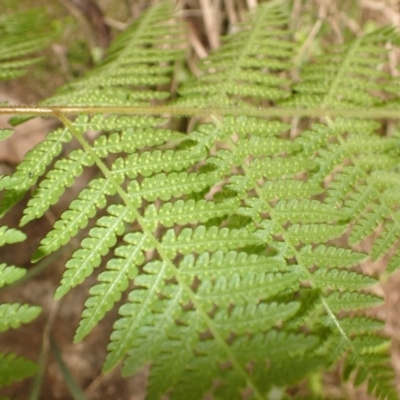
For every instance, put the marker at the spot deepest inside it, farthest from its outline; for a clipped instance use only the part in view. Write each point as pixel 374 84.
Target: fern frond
pixel 357 325
pixel 8 235
pixel 260 43
pixel 295 211
pixel 394 263
pixel 129 329
pixel 5 133
pixel 272 168
pixel 332 257
pixel 148 163
pixel 352 301
pixel 101 238
pixel 18 42
pixel 220 263
pixel 257 129
pixel 50 189
pixel 136 133
pixel 13 368
pixel 247 289
pixel 202 239
pixel 253 318
pixel 314 233
pixel 13 315
pixel 229 233
pixel 173 356
pixel 113 282
pixel 374 365
pixel 10 274
pixel 273 348
pixel 175 184
pixel 95 196
pixel 184 212
pixel 368 222
pixel 80 210
pixel 257 146
pixel 388 237
pixel 140 58
pixel 347 80
pixel 32 167
pixel 342 279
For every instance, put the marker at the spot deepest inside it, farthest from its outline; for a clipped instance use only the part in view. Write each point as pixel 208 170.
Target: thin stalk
pixel 289 112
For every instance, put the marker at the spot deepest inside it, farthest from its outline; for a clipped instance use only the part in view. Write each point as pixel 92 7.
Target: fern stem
pixel 287 112
pixel 148 233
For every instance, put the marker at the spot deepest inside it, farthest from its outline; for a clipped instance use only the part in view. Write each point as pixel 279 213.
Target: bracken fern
pixel 236 241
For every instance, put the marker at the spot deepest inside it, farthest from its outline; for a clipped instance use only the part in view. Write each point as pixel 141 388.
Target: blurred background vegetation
pixel 84 29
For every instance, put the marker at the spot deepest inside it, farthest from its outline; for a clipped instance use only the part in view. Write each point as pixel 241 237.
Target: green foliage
pixel 15 44
pixel 13 368
pixel 234 241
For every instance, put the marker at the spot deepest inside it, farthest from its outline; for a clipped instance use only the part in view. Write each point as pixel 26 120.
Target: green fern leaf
pixel 126 329
pixel 260 43
pixel 13 315
pixel 247 289
pixel 272 168
pixel 253 318
pixel 394 263
pixel 52 187
pixel 184 212
pixel 202 239
pixel 8 235
pixel 368 222
pixel 148 163
pixel 227 230
pixel 222 263
pixel 80 210
pixel 32 167
pixel 141 57
pixel 314 233
pixel 374 365
pixel 133 136
pixel 328 256
pixel 289 189
pixel 305 211
pixel 347 81
pixel 10 274
pixel 13 368
pixel 342 279
pixel 164 186
pixel 17 41
pixel 155 339
pixel 352 301
pixel 113 282
pixel 36 161
pixel 257 146
pixel 386 240
pixel 357 325
pixel 344 185
pixel 100 240
pixel 259 129
pixel 5 133
pixel 171 358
